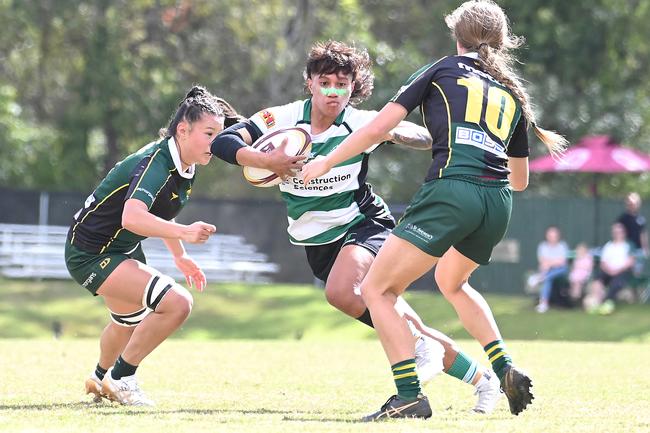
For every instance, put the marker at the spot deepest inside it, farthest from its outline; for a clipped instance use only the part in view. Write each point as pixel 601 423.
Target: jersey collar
pixel 471 55
pixel 173 150
pixel 306 114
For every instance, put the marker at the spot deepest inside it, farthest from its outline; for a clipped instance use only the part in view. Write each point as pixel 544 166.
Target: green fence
pixel 263 223
pixel 579 219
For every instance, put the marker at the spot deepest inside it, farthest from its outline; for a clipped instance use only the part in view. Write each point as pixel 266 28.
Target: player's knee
pixel 182 303
pixel 336 296
pixel 164 295
pixel 447 286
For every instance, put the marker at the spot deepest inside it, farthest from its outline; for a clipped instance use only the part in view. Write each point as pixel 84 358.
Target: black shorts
pixel 371 233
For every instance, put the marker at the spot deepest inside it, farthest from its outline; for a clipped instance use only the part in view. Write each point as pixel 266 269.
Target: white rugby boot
pixel 428 358
pixel 489 392
pixel 124 391
pixel 94 386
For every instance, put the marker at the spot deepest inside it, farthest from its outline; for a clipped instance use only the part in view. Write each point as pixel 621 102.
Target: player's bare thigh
pixel 124 288
pixel 397 265
pixel 343 284
pixel 453 270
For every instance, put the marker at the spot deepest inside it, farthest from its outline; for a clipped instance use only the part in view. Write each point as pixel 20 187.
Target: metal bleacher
pixel 36 252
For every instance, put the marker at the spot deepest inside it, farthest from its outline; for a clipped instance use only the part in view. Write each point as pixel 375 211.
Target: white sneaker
pixel 428 358
pixel 542 307
pixel 489 392
pixel 94 386
pixel 125 390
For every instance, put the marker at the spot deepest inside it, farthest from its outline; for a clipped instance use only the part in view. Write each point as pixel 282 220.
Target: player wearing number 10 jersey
pixel 477 112
pixel 451 93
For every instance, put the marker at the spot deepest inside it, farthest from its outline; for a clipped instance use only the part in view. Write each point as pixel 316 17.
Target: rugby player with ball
pixel 337 218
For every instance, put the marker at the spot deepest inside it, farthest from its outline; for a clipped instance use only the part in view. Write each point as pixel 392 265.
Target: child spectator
pixel 581 269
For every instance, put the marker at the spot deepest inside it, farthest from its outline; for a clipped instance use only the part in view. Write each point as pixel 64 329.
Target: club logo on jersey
pixel 268 118
pixel 105 262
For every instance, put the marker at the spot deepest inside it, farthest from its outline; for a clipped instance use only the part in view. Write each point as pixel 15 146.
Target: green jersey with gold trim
pixel 475 121
pixel 152 175
pixel 323 211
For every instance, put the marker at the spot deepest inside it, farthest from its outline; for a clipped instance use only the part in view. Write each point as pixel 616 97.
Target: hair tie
pixel 482 44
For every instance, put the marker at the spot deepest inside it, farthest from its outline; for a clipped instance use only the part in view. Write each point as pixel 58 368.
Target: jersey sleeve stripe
pixel 444 98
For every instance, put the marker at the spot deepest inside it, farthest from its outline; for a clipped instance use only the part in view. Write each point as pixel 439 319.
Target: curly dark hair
pixel 333 57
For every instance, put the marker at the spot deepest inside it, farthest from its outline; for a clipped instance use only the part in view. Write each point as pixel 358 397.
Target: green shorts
pixel 91 269
pixel 471 216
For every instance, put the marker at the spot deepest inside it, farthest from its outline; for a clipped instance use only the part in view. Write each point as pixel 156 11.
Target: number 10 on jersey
pixel 499 110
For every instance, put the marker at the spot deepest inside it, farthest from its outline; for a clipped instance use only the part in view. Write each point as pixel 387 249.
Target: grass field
pixel 301 386
pixel 279 359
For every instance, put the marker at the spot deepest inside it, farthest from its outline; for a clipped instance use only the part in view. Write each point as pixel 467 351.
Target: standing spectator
pixel 616 262
pixel 552 256
pixel 635 226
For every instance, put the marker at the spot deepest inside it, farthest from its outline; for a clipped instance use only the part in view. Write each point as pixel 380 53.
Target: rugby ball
pixel 298 143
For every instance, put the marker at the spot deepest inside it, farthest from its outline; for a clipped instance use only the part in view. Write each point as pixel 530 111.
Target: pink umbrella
pixel 595 154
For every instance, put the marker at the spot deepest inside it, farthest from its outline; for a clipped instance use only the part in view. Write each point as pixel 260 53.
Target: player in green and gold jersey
pixel 477 112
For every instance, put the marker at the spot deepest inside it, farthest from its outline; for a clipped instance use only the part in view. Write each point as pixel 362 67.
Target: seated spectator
pixel 552 256
pixel 581 270
pixel 616 263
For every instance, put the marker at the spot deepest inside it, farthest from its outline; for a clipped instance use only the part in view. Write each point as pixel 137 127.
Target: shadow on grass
pixel 117 410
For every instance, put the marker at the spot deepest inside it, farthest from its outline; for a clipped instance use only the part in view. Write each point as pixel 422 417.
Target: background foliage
pixel 84 82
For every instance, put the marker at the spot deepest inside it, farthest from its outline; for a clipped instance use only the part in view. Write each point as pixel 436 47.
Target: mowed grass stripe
pixel 280 311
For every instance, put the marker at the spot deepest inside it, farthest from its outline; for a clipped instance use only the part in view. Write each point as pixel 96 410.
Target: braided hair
pixel 197 102
pixel 482 26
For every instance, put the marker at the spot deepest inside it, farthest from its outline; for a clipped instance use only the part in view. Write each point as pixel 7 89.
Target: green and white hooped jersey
pixel 323 211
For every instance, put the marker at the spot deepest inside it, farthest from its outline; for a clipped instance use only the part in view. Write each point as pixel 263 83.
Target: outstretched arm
pixel 374 132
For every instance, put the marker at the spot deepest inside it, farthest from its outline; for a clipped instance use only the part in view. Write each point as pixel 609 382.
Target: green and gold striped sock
pixel 499 358
pixel 463 368
pixel 406 379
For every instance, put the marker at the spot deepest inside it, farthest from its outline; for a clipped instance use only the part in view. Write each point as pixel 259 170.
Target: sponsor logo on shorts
pixel 89 280
pixel 418 232
pixel 174 195
pixel 146 192
pixel 268 118
pixel 105 262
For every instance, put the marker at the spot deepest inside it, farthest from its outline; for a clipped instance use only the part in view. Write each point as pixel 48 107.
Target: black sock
pixel 122 368
pixel 365 318
pixel 100 372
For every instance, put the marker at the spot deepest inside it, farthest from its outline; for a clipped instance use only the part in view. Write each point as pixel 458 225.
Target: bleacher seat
pixel 32 251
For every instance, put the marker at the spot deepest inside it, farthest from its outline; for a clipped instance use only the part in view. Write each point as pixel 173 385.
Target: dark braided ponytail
pixel 197 102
